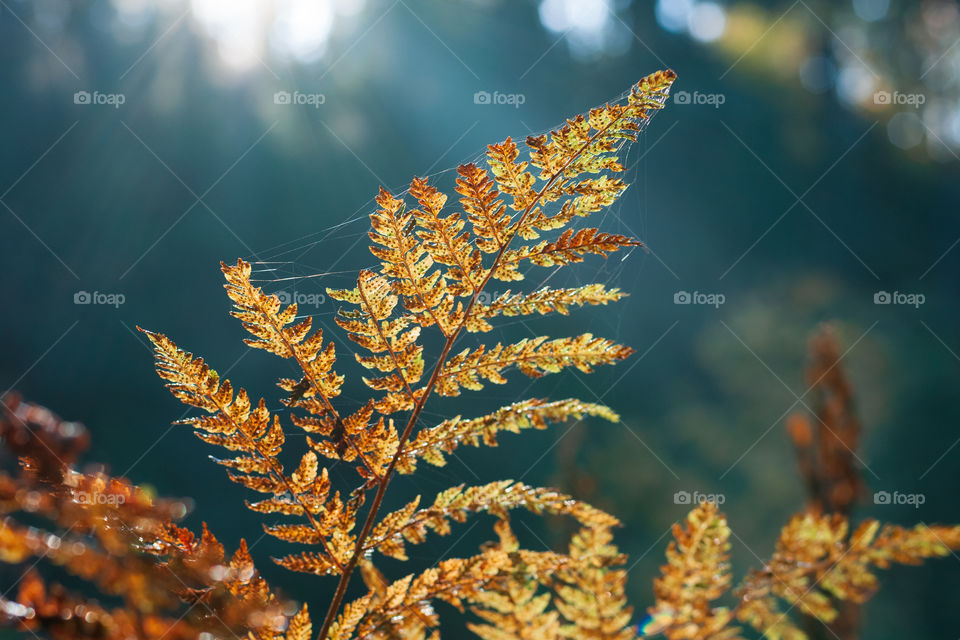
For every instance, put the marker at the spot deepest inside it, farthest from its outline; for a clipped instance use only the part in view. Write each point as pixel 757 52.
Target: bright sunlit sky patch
pixel 245 32
pixel 591 27
pixel 705 21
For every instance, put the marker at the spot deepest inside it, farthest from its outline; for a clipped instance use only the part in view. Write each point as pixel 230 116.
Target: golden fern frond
pixel 533 357
pixel 818 560
pixel 542 301
pixel 487 214
pixel 591 594
pixel 349 618
pixel 455 581
pixel 434 265
pixel 570 247
pixel 264 317
pixel 585 145
pixel 270 323
pixel 237 426
pixel 817 563
pixel 393 342
pixel 233 424
pixel 517 613
pixel 300 627
pixel 408 262
pixel 511 605
pixel 411 524
pixel 697 573
pixel 432 443
pixel 444 238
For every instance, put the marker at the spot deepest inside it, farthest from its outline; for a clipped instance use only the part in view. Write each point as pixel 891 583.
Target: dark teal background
pixel 112 207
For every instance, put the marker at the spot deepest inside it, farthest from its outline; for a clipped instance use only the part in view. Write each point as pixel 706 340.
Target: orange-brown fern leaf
pixel 534 357
pixel 516 611
pixel 272 327
pixel 696 574
pixel 412 525
pixel 454 581
pixel 590 595
pixel 300 627
pixel 444 238
pixel 818 562
pixel 233 421
pixel 485 212
pixel 432 443
pixel 374 442
pixel 570 247
pixel 392 341
pixel 273 330
pixel 585 146
pixel 542 301
pixel 409 263
pixel 349 618
pixel 238 426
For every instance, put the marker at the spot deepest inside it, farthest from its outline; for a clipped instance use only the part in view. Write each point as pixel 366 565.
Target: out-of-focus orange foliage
pixel 120 540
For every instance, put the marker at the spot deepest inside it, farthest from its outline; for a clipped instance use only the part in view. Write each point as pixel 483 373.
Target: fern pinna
pixel 436 260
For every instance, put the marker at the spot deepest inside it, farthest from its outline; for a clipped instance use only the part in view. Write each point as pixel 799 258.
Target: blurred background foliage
pixel 803 175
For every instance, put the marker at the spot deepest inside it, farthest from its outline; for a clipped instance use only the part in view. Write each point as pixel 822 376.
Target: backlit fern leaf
pixel 542 301
pixel 237 426
pixel 517 613
pixel 271 325
pixel 412 525
pixel 570 247
pixel 445 239
pixel 590 595
pixel 817 562
pixel 533 357
pixel 392 341
pixel 432 443
pixel 696 574
pixel 407 603
pixel 817 557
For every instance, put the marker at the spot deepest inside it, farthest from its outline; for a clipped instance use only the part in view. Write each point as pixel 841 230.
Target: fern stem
pixel 434 377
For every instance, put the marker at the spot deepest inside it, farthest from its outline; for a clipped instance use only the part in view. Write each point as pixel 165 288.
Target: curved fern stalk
pixel 559 162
